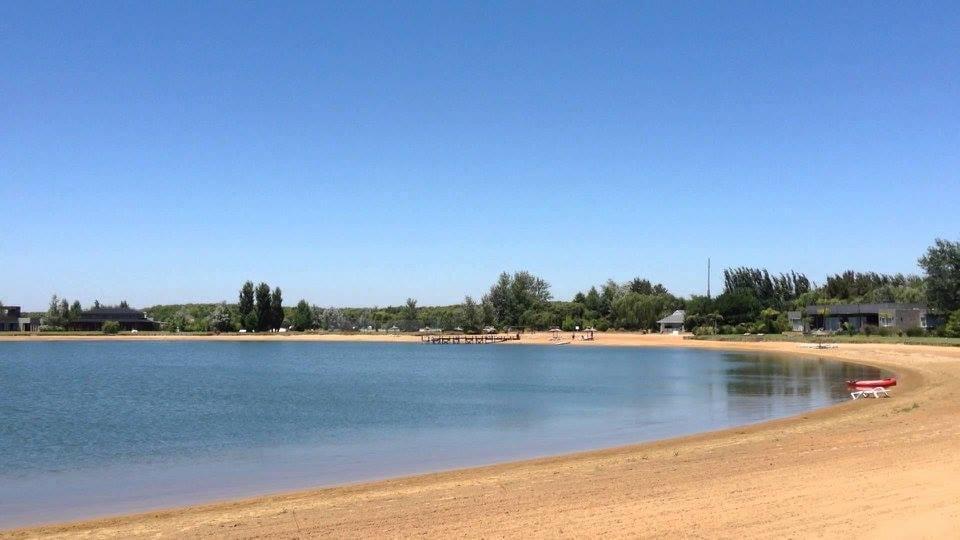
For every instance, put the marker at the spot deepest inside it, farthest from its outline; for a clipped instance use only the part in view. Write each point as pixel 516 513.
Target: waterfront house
pixel 12 320
pixel 795 318
pixel 92 320
pixel 673 322
pixel 832 317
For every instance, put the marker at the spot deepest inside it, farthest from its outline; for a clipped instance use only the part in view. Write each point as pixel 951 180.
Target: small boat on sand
pixel 876 383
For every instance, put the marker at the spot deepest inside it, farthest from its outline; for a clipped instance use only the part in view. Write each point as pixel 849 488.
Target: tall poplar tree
pixel 303 316
pixel 276 309
pixel 263 311
pixel 246 306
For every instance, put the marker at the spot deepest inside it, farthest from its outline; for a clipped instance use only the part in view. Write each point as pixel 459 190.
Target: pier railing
pixel 468 338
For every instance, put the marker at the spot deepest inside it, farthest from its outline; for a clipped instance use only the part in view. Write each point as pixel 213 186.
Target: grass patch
pixel 796 338
pixel 913 407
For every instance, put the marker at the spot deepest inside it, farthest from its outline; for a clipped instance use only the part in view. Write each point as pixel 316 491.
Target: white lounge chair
pixel 877 392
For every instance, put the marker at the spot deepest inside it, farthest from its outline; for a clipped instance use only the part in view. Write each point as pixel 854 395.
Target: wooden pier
pixel 469 338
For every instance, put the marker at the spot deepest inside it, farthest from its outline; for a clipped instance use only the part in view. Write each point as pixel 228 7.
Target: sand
pixel 887 468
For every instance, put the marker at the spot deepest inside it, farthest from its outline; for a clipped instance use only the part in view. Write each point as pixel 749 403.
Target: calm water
pixel 109 427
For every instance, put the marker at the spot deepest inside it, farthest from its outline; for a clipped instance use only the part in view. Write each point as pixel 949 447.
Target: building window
pixel 886 319
pixel 923 321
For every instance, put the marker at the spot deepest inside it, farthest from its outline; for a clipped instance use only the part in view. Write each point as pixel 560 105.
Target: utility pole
pixel 708 277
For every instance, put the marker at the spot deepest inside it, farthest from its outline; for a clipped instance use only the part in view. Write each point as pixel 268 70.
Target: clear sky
pixel 360 153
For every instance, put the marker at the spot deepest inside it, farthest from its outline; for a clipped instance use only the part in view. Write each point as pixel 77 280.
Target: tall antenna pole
pixel 708 277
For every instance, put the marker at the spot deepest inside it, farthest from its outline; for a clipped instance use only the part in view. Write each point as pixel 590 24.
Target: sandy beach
pixel 887 468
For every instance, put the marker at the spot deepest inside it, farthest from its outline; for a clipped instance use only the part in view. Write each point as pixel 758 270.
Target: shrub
pixel 111 327
pixel 704 331
pixel 727 329
pixel 884 331
pixel 915 332
pixel 952 329
pixel 870 330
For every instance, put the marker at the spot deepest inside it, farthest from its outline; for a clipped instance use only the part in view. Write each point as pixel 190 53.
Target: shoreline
pixel 466 501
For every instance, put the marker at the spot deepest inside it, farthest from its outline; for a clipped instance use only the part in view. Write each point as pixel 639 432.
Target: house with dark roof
pixel 12 320
pixel 832 317
pixel 673 322
pixel 92 320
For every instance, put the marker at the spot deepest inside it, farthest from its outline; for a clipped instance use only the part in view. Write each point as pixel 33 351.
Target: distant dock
pixel 471 339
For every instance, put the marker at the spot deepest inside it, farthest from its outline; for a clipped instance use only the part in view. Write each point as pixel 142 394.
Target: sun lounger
pixel 877 392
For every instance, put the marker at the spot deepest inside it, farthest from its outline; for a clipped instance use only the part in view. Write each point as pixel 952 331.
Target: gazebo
pixel 673 322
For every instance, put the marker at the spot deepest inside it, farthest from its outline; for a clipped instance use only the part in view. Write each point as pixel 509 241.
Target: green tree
pixel 276 309
pixel 500 299
pixel 592 300
pixel 628 311
pixel 489 313
pixel 250 321
pixel 111 327
pixel 56 316
pixel 610 293
pixel 472 315
pixel 635 311
pixel 640 286
pixel 738 306
pixel 513 296
pixel 63 310
pixel 263 311
pixel 124 304
pixel 220 319
pixel 302 316
pixel 771 321
pixel 410 310
pixel 76 310
pixel 699 305
pixel 952 329
pixel 942 265
pixel 245 307
pixel 179 321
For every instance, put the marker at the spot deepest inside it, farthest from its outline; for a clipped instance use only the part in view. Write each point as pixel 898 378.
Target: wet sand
pixel 888 468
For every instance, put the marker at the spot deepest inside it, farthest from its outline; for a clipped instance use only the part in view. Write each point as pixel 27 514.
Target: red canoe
pixel 882 383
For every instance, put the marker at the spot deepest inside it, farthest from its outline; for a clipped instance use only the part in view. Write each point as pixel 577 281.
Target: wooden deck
pixel 469 338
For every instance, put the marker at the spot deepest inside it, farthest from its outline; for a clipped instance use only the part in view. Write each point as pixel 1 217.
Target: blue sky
pixel 360 153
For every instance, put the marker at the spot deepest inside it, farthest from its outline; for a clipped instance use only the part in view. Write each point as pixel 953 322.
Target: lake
pixel 106 427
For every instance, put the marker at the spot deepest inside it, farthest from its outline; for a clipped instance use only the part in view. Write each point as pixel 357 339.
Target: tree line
pixel 61 312
pixel 752 300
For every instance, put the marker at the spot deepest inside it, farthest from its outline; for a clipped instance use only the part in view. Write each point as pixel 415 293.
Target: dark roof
pixel 677 317
pixel 112 313
pixel 856 309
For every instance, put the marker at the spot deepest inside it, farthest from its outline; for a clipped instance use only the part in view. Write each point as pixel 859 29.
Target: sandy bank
pixel 823 474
